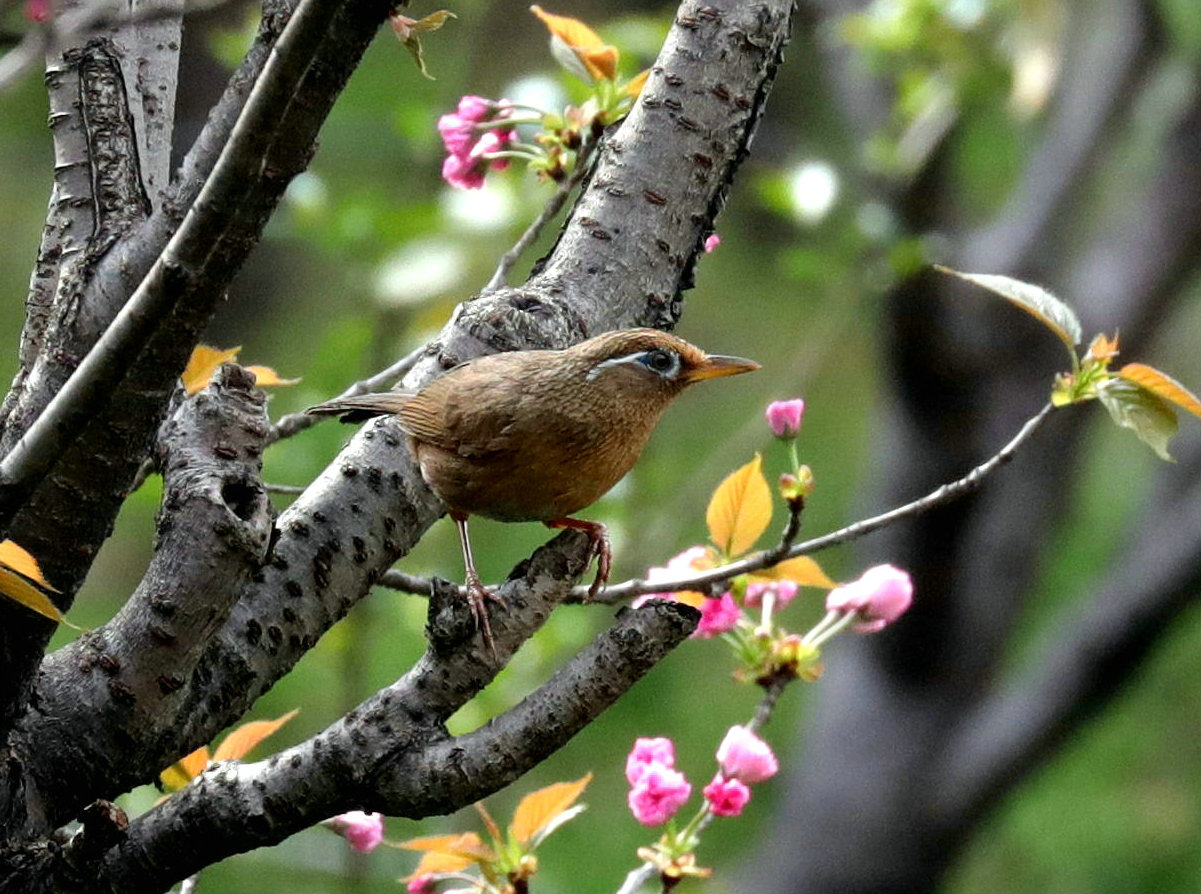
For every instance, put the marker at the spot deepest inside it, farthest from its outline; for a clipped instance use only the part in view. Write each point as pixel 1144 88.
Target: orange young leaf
pixel 203 363
pixel 21 580
pixel 1162 385
pixel 265 375
pixel 634 87
pixel 20 561
pixel 571 31
pixel 538 809
pixel 598 58
pixel 449 853
pixel 803 570
pixel 18 589
pixel 740 509
pixel 601 63
pixel 241 740
pixel 185 769
pixel 1102 348
pixel 435 862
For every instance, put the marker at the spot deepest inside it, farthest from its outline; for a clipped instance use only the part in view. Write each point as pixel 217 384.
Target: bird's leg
pixel 598 545
pixel 477 593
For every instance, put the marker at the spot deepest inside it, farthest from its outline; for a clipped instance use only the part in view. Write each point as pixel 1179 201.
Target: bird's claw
pixel 479 596
pixel 599 546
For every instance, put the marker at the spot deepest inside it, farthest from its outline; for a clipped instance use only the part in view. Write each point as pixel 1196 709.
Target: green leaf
pixel 1143 412
pixel 408 32
pixel 1036 301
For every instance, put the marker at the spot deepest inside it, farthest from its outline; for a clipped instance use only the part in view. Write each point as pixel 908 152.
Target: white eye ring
pixel 654 360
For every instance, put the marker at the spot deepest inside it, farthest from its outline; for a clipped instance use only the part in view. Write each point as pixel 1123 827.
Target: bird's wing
pixel 424 417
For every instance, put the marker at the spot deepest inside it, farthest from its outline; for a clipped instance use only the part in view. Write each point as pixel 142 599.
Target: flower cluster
pixel 658 790
pixel 475 135
pixel 479 134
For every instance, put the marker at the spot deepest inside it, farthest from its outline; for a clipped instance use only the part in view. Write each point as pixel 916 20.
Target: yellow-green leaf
pixel 1145 413
pixel 1160 383
pixel 1036 301
pixel 803 570
pixel 740 509
pixel 539 808
pixel 242 740
pixel 203 363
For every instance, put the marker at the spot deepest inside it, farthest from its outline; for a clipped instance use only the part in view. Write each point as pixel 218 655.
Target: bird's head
pixel 653 360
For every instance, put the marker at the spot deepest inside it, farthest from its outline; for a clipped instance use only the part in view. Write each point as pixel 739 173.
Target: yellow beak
pixel 719 365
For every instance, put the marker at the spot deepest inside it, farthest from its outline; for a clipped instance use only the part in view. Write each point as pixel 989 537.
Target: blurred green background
pixel 368 256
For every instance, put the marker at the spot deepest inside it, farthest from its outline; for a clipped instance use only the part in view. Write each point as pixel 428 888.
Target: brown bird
pixel 539 435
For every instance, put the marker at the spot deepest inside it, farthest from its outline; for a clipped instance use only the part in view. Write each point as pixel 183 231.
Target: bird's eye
pixel 665 363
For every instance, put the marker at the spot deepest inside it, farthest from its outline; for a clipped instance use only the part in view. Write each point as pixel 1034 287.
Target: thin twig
pixel 762 560
pixel 284 488
pixel 294 423
pixel 412 583
pixel 501 276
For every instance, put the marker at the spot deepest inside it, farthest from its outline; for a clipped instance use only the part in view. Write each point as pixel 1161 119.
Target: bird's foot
pixel 598 548
pixel 479 596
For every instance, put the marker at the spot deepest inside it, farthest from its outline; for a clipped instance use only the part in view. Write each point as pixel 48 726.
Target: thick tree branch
pixel 213 532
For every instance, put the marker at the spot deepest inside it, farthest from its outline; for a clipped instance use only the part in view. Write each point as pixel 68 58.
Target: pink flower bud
pixel 362 831
pixel 462 172
pixel 880 596
pixel 712 242
pixel 458 134
pixel 726 797
pixel 421 884
pixel 645 752
pixel 743 755
pixel 475 109
pixel 494 141
pixel 784 417
pixel 39 11
pixel 784 590
pixel 659 792
pixel 717 616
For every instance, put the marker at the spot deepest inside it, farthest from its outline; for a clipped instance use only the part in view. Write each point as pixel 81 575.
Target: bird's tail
pixel 362 407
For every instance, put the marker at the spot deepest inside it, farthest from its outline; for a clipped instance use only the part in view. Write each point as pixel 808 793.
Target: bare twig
pixel 532 232
pixel 294 423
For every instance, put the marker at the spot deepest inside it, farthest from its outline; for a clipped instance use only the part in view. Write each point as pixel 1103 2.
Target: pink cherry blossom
pixel 784 417
pixel 880 596
pixel 726 797
pixel 743 755
pixel 645 752
pixel 658 794
pixel 690 561
pixel 784 591
pixel 712 242
pixel 362 831
pixel 718 615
